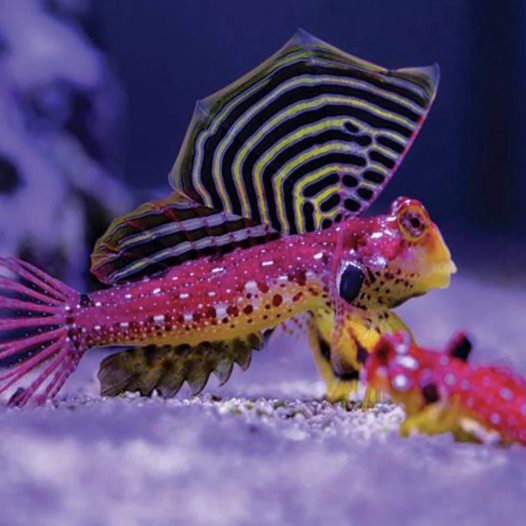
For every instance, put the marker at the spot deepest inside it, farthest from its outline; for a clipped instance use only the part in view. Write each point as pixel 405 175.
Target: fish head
pixel 403 255
pixel 398 367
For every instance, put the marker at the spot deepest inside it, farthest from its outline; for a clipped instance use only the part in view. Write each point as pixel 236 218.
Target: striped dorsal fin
pixel 167 232
pixel 309 137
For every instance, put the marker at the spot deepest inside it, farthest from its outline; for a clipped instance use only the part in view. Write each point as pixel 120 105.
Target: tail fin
pixel 34 311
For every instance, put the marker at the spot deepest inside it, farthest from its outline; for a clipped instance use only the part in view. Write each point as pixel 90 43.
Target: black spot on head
pixel 9 177
pixel 430 393
pixel 461 348
pixel 326 223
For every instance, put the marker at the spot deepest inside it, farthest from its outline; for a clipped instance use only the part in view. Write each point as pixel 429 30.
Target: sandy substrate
pixel 265 449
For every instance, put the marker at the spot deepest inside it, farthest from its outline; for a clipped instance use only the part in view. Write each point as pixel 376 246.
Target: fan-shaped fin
pixel 311 135
pixel 165 368
pixel 168 232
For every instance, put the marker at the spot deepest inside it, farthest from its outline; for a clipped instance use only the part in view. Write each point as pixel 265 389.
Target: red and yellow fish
pixel 262 227
pixel 441 392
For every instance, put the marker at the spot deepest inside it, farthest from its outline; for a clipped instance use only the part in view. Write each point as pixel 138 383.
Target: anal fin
pixel 165 368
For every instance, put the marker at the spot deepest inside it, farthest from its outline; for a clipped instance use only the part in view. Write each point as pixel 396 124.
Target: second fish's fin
pixel 165 368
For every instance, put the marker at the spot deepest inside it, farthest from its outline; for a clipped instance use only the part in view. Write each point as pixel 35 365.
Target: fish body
pixel 442 392
pixel 224 297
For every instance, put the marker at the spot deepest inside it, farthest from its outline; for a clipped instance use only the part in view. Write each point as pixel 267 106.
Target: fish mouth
pixel 440 275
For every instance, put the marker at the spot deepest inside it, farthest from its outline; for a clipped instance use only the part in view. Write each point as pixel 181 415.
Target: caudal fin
pixel 34 311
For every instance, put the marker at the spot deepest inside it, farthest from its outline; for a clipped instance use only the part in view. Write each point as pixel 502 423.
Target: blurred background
pixel 95 98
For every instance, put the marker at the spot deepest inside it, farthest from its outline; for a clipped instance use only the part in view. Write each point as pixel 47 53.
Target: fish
pixel 263 228
pixel 443 393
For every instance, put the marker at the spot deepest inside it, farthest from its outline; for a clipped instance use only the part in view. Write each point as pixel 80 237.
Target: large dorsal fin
pixel 165 368
pixel 310 136
pixel 168 232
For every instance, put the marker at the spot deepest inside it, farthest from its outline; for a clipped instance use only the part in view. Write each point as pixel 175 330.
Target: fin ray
pixel 166 368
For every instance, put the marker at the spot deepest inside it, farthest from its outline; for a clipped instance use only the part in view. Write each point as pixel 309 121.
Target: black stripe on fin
pixel 168 232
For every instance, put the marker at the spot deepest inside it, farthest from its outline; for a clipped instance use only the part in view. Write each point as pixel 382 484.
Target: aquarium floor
pixel 265 449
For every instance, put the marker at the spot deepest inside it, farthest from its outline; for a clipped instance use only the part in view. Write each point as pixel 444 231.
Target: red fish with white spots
pixel 262 227
pixel 441 392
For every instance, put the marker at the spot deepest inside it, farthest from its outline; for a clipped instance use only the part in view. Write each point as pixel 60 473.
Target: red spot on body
pixel 232 310
pixel 248 309
pixel 211 312
pixel 302 278
pixel 277 300
pixel 297 296
pixel 263 287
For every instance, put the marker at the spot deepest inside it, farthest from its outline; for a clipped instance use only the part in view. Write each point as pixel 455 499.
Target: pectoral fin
pixel 342 341
pixel 165 368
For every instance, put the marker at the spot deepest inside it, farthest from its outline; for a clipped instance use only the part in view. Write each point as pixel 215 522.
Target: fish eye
pixel 412 223
pixel 351 280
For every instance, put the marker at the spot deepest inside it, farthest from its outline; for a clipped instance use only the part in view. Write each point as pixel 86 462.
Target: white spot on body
pixel 125 324
pixel 212 294
pixel 506 393
pixel 319 255
pixel 450 379
pixel 218 269
pixel 267 263
pixel 127 296
pixel 188 318
pixel 98 304
pixel 495 418
pixel 251 286
pixel 159 318
pixel 400 382
pixel 184 296
pixel 407 362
